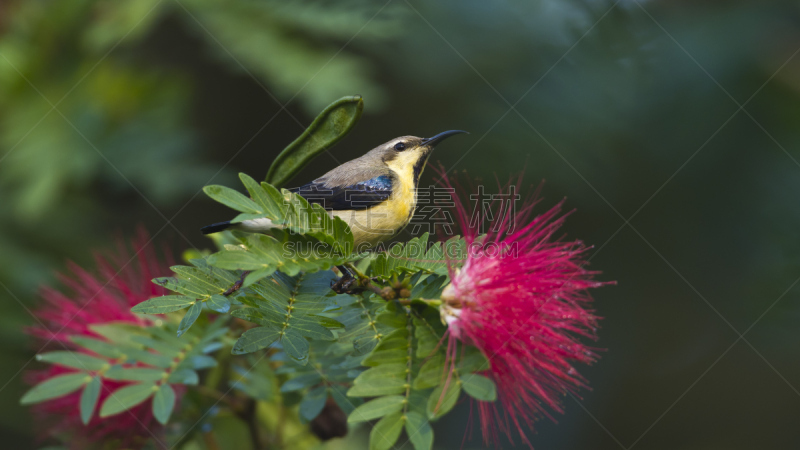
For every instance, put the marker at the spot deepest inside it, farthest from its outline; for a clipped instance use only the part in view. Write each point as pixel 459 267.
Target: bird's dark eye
pixel 400 146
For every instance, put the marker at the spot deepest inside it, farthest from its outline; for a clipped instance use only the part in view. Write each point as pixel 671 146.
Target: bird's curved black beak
pixel 432 141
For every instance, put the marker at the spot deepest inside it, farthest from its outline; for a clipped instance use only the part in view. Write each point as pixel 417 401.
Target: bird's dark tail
pixel 215 227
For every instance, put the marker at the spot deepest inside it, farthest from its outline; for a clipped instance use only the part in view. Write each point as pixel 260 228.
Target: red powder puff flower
pixel 120 282
pixel 520 298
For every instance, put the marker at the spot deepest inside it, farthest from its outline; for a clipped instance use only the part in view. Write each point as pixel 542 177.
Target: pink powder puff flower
pixel 121 281
pixel 520 298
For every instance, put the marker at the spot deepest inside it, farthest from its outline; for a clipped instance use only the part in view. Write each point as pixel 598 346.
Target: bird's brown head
pixel 407 155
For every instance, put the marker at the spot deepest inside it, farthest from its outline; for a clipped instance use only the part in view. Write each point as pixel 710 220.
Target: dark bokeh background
pixel 670 125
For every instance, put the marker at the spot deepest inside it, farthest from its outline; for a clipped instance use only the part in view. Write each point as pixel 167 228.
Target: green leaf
pixel 126 398
pixel 216 281
pixel 393 348
pixel 294 344
pixel 163 403
pixel 117 333
pixel 255 383
pixel 419 431
pixel 361 329
pixel 327 322
pixel 431 373
pixel 255 339
pixel 472 361
pixel 310 327
pixel 255 316
pixel 190 317
pixel 382 373
pixel 382 380
pixel 184 376
pixel 147 357
pixel 392 319
pixel 377 408
pixel 269 199
pixel 212 347
pixel 418 402
pixel 219 303
pixel 385 433
pixel 161 346
pixel 313 403
pixel 415 255
pixel 186 287
pixel 338 395
pixel 441 402
pixel 55 387
pixel 479 387
pixel 235 260
pixel 430 287
pixel 232 199
pixel 244 216
pixel 377 388
pixel 76 360
pixel 331 125
pixel 89 398
pixel 165 304
pixel 134 373
pixel 200 362
pixel 256 275
pixel 287 307
pixel 386 357
pixel 97 346
pixel 301 382
pixel 301 228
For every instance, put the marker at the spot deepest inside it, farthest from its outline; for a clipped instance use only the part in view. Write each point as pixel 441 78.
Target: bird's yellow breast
pixel 376 224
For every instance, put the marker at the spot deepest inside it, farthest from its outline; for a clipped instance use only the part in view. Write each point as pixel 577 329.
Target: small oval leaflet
pixel 479 387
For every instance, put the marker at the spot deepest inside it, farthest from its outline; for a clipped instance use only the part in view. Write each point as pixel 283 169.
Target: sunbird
pixel 375 194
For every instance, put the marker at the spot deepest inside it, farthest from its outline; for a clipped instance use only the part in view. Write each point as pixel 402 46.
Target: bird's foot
pixel 348 283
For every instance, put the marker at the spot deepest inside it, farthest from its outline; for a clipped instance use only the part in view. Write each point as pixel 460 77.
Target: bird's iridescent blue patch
pixel 381 183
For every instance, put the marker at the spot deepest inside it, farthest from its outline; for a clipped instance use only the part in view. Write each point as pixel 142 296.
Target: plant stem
pixel 250 417
pixel 366 283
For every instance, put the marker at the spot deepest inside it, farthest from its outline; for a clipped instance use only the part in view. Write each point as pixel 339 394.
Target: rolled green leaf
pixel 333 123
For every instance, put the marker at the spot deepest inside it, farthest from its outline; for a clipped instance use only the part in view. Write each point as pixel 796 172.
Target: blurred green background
pixel 671 126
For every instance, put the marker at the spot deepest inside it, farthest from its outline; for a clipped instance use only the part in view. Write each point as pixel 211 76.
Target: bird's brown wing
pixel 363 195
